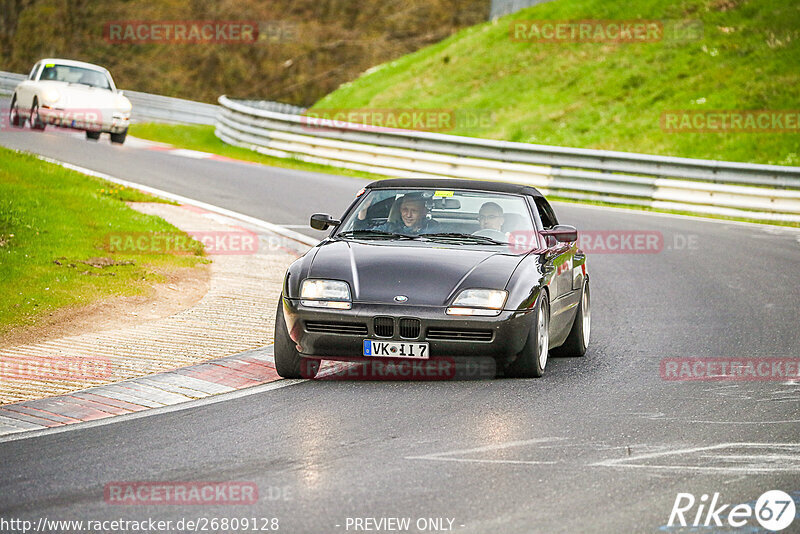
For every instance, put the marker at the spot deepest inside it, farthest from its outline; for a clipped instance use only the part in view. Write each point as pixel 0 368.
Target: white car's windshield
pixel 438 213
pixel 72 74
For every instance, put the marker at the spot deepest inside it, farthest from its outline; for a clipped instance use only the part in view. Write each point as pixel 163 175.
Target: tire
pixel 533 358
pixel 14 118
pixel 94 136
pixel 36 119
pixel 288 362
pixel 578 339
pixel 119 138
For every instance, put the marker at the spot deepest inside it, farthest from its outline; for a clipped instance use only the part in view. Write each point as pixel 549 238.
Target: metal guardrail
pixel 144 107
pixel 769 192
pixel 277 107
pixel 156 108
pixel 504 7
pixel 8 81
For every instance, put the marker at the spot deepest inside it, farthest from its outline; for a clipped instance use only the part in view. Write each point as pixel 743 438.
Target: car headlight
pixel 123 105
pixel 478 302
pixel 51 96
pixel 326 294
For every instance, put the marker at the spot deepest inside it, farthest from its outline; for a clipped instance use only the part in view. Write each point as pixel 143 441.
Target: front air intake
pixel 323 327
pixel 452 334
pixel 409 328
pixel 384 326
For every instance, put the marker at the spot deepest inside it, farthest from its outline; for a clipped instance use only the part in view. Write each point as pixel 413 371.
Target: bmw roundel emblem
pixel 401 298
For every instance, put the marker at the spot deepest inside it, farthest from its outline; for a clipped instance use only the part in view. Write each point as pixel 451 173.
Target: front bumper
pixel 339 334
pixel 95 121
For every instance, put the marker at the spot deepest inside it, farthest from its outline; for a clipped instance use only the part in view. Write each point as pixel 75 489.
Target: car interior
pixel 447 212
pixel 75 75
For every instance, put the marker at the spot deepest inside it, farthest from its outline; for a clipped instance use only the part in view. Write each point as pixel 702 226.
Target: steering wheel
pixel 497 235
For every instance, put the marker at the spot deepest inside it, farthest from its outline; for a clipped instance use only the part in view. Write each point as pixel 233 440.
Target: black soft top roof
pixel 450 183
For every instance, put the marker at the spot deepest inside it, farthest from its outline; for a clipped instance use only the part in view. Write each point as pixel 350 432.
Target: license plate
pixel 395 349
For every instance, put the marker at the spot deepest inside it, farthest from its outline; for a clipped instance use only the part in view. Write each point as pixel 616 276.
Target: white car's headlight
pixel 326 294
pixel 478 302
pixel 123 104
pixel 51 96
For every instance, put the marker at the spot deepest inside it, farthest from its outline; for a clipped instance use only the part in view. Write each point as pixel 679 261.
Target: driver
pixel 413 217
pixel 490 217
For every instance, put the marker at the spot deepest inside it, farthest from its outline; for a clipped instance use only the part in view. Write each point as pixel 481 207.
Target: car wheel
pixel 14 118
pixel 119 138
pixel 93 135
pixel 578 339
pixel 288 362
pixel 36 119
pixel 533 358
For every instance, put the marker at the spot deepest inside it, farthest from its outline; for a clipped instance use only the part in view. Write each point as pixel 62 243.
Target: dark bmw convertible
pixel 425 269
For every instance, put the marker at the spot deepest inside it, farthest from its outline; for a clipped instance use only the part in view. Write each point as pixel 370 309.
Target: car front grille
pixel 323 327
pixel 451 334
pixel 409 328
pixel 384 326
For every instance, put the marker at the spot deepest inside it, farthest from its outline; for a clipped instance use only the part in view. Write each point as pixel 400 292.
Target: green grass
pixel 202 138
pixel 607 95
pixel 51 220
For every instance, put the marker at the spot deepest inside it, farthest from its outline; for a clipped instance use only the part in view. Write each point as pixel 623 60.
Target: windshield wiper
pixel 376 233
pixel 470 237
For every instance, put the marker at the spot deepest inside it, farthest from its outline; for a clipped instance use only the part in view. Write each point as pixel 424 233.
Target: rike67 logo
pixel 774 510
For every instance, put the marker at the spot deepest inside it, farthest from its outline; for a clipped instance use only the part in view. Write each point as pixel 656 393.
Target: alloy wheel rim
pixel 543 336
pixel 587 317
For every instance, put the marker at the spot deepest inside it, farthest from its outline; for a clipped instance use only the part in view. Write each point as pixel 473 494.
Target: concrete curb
pixel 223 375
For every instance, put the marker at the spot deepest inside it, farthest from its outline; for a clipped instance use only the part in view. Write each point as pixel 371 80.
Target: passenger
pixel 490 217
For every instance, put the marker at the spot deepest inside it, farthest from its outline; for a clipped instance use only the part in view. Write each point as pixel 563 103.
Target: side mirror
pixel 321 221
pixel 562 232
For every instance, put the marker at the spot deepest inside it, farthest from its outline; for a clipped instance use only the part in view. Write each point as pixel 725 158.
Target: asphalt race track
pixel 600 444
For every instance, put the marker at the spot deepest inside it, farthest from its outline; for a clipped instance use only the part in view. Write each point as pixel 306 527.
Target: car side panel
pixel 563 301
pixel 24 94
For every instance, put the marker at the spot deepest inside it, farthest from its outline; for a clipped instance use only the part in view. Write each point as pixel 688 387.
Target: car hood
pixel 429 275
pixel 77 96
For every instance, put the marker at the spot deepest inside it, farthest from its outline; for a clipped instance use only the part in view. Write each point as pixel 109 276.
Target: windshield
pixel 480 217
pixel 70 74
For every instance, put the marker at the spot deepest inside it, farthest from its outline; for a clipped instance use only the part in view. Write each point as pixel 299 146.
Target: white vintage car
pixel 71 94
